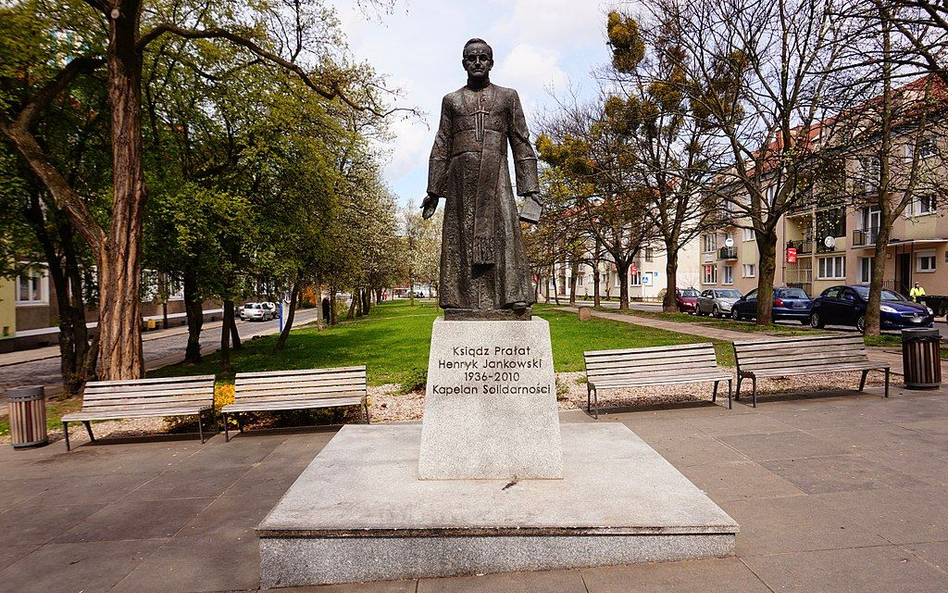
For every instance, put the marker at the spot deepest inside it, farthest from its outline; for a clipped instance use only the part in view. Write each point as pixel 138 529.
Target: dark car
pixel 846 305
pixel 687 300
pixel 789 303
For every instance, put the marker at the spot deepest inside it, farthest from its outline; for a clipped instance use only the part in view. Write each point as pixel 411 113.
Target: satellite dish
pixel 830 242
pixel 729 242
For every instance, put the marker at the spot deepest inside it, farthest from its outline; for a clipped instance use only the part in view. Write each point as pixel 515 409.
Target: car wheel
pixel 715 312
pixel 861 324
pixel 735 315
pixel 816 321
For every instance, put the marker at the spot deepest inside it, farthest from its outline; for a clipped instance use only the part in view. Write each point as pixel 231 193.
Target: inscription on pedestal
pixel 490 407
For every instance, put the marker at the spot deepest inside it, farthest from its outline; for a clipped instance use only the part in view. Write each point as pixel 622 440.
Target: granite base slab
pixel 359 512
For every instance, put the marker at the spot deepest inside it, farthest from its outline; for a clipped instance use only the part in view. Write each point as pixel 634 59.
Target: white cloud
pixel 530 70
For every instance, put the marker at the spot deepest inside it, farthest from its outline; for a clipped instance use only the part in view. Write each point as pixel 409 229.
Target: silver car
pixel 717 301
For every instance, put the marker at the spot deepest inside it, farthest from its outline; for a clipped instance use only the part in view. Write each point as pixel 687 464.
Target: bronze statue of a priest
pixel 484 269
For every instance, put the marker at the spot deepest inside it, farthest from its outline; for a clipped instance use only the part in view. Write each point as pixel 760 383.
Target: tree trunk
pixel 225 337
pixel 332 306
pixel 352 307
pixel 622 271
pixel 194 311
pixel 574 271
pixel 767 268
pixel 378 296
pixel 597 301
pixel 556 290
pixel 873 311
pixel 288 323
pixel 669 303
pixel 231 322
pixel 366 300
pixel 411 291
pixel 119 257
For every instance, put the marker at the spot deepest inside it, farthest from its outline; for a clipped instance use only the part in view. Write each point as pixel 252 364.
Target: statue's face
pixel 477 61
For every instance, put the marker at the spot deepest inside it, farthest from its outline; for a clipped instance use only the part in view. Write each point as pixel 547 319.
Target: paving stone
pixel 780 445
pixel 34 523
pixel 559 581
pixel 901 516
pixel 839 473
pixel 210 482
pixel 10 554
pixel 689 451
pixel 884 569
pixel 68 568
pixel 141 519
pixel 935 553
pixel 738 424
pixel 377 587
pixel 739 480
pixel 228 517
pixel 793 524
pixel 196 564
pixel 725 575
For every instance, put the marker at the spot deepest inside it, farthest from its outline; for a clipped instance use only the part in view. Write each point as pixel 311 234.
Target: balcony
pixel 804 247
pixel 865 237
pixel 727 253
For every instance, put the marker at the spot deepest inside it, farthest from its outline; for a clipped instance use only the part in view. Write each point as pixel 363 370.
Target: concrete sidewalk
pixel 883 355
pixel 843 492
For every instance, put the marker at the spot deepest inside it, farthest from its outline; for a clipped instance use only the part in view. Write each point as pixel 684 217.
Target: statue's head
pixel 478 59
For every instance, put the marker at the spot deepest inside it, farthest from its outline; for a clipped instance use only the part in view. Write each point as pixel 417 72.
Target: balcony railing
pixel 727 253
pixel 799 276
pixel 864 237
pixel 804 247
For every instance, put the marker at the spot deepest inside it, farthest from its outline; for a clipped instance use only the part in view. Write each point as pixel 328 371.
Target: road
pixel 161 347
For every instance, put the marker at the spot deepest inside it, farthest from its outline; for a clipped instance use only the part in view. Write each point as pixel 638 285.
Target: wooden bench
pixel 297 390
pixel 143 398
pixel 666 365
pixel 803 356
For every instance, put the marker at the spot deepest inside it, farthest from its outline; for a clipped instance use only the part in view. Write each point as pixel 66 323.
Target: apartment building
pixel 830 240
pixel 646 276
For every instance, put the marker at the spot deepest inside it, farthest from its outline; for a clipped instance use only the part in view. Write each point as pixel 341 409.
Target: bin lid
pixel 26 393
pixel 914 334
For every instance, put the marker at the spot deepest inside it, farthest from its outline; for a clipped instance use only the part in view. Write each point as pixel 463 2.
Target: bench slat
pixel 648 349
pixel 244 376
pixel 139 382
pixel 290 405
pixel 135 413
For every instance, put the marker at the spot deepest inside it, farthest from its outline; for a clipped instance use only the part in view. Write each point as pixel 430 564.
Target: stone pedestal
pixel 360 513
pixel 490 405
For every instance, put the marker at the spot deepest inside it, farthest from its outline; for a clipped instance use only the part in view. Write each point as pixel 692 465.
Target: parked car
pixel 272 308
pixel 686 299
pixel 846 305
pixel 789 303
pixel 238 312
pixel 256 312
pixel 716 301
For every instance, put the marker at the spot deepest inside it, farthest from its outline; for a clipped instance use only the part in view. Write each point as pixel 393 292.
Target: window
pixel 710 243
pixel 871 174
pixel 831 223
pixel 32 288
pixel 617 281
pixel 635 278
pixel 747 235
pixel 926 148
pixel 749 271
pixel 865 270
pixel 711 274
pixel 580 279
pixel 729 274
pixel 925 261
pixel 920 206
pixel 832 268
pixel 649 254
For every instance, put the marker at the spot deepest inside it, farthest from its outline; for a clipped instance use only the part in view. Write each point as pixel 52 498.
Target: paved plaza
pixel 844 492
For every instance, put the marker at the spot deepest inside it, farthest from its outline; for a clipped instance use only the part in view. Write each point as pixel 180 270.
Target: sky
pixel 542 48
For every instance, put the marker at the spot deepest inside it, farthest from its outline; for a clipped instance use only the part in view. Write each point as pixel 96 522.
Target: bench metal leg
pixel 714 394
pixel 887 381
pixel 862 380
pixel 89 430
pixel 365 406
pixel 240 424
pixel 730 406
pixel 226 431
pixel 66 434
pixel 588 398
pixel 737 394
pixel 201 426
pixel 754 379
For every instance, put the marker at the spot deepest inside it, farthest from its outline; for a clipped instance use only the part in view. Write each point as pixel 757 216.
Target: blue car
pixel 846 305
pixel 789 303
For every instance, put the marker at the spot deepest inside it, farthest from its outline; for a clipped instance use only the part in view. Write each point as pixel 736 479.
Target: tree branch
pixel 44 97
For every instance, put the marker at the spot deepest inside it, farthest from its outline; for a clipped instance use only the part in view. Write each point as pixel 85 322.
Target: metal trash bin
pixel 28 416
pixel 921 359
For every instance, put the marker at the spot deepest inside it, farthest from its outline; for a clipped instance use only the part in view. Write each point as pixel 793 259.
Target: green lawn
pixel 393 343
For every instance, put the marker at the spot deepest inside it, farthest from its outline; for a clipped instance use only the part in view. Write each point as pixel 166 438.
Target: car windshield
pixel 727 294
pixel 689 292
pixel 887 295
pixel 792 293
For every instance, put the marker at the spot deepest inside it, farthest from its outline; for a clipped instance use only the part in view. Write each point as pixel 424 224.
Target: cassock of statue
pixel 483 263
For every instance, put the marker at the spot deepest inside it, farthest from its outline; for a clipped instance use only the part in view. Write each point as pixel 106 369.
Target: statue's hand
pixel 428 206
pixel 532 208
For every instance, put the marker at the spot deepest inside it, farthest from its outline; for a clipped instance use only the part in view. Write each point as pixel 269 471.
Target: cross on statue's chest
pixel 479 115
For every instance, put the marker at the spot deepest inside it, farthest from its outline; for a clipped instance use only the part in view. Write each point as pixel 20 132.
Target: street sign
pixel 729 242
pixel 791 255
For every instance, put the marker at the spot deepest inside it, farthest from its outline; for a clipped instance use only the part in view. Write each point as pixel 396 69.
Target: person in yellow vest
pixel 917 293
